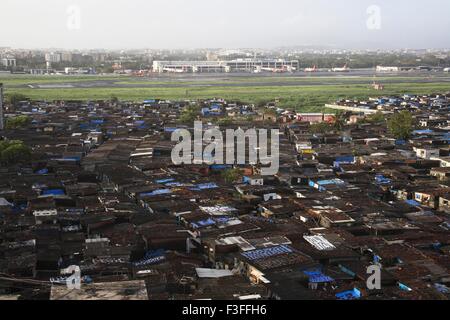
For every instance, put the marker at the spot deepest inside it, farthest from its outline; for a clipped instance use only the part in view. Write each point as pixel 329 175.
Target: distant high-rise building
pixel 53 57
pixel 8 62
pixel 66 57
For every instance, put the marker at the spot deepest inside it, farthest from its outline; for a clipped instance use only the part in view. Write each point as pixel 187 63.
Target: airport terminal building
pixel 238 65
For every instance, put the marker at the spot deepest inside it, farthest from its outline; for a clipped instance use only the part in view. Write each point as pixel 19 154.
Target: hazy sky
pixel 82 24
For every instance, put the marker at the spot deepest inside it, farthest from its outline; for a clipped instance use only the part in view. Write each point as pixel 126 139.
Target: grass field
pixel 306 98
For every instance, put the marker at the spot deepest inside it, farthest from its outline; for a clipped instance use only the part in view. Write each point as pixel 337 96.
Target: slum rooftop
pixel 101 192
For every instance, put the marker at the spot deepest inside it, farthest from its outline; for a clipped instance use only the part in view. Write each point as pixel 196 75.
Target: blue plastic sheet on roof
pixel 404 287
pixel 174 184
pixel 223 219
pixel 53 192
pixel 204 186
pixel 203 223
pixel 211 185
pixel 380 179
pixel 349 295
pixel 316 276
pixel 412 203
pixel 219 166
pixel 156 192
pixel 154 253
pixel 74 158
pixel 150 261
pixel 348 159
pixel 442 288
pixel 170 130
pixel 328 182
pixel 162 181
pixel 98 121
pixel 151 257
pixel 19 207
pixel 423 131
pixel 347 271
pixel 42 171
pixel 267 252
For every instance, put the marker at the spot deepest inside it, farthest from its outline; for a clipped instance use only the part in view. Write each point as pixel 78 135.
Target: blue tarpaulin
pixel 203 223
pixel 162 181
pixel 380 179
pixel 328 182
pixel 441 288
pixel 412 203
pixel 220 166
pixel 74 158
pixel 404 287
pixel 316 276
pixel 423 132
pixel 156 192
pixel 53 192
pixel 267 252
pixel 349 295
pixel 347 271
pixel 174 184
pixel 150 261
pixel 204 186
pixel 211 185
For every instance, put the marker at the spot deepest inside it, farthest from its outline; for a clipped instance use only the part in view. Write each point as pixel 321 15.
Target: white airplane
pixel 343 69
pixel 313 69
pixel 276 70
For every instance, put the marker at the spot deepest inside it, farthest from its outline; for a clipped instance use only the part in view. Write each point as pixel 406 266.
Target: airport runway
pixel 356 77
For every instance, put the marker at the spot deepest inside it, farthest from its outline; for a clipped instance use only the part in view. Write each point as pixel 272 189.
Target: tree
pixel 321 127
pixel 189 114
pixel 15 98
pixel 231 175
pixel 377 117
pixel 17 122
pixel 114 99
pixel 400 125
pixel 225 121
pixel 13 151
pixel 340 119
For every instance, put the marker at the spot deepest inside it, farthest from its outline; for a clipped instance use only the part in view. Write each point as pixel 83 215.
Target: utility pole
pixel 1 108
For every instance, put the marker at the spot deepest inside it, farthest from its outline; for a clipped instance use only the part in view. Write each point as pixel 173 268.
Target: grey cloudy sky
pixel 115 24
